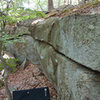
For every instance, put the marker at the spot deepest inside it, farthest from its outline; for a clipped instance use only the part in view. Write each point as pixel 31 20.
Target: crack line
pixel 66 56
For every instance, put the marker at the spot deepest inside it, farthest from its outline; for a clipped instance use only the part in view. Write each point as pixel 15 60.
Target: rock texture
pixel 68 49
pixel 23 50
pixel 69 53
pixel 72 81
pixel 76 36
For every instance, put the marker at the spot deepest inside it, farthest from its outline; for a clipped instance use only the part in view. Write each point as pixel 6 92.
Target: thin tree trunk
pixel 50 5
pixel 2 59
pixel 5 74
pixel 6 87
pixel 70 2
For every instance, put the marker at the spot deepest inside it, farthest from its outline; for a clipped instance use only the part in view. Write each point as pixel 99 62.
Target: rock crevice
pixel 63 55
pixel 68 50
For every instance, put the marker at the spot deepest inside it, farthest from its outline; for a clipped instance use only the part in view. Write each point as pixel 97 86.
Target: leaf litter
pixel 30 77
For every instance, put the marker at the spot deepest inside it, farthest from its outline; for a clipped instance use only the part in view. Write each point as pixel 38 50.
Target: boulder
pixel 75 36
pixel 71 80
pixel 69 53
pixel 22 30
pixel 68 50
pixel 80 39
pixel 23 50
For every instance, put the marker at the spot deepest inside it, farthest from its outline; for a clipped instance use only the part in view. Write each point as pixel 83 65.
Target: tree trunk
pixel 50 5
pixel 78 1
pixel 5 74
pixel 70 2
pixel 6 87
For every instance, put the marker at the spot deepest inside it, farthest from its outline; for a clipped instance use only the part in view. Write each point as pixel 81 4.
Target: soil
pixel 30 77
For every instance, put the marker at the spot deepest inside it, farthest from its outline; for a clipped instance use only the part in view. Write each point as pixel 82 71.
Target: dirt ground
pixel 30 77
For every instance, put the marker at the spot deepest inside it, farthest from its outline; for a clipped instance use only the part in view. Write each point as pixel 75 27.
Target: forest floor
pixel 30 77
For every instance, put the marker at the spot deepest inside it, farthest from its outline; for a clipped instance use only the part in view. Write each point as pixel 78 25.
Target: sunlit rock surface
pixel 68 49
pixel 76 36
pixel 72 80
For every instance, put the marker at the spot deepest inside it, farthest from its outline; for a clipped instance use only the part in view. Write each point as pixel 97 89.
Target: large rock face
pixel 72 81
pixel 68 49
pixel 77 37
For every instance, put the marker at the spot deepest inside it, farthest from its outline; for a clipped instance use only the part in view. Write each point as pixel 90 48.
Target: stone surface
pixel 22 30
pixel 76 36
pixel 23 50
pixel 80 39
pixel 72 81
pixel 68 49
pixel 69 53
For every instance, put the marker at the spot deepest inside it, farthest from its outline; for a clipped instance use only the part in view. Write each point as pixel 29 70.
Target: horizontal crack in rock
pixel 66 56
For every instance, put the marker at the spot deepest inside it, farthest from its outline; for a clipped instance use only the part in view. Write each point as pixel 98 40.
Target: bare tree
pixel 50 5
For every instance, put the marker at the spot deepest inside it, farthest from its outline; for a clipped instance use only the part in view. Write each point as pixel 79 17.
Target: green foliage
pixel 94 2
pixel 21 14
pixel 5 38
pixel 1 68
pixel 13 14
pixel 11 63
pixel 10 16
pixel 0 85
pixel 39 13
